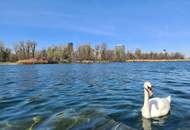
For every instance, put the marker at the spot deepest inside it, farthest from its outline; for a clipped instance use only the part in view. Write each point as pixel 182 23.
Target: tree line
pixel 66 53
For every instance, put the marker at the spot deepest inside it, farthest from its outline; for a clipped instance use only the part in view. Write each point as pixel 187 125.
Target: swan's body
pixel 154 107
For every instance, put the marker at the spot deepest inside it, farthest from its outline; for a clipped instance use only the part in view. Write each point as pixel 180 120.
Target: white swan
pixel 154 107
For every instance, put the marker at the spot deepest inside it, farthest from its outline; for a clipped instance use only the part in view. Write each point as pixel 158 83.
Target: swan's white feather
pixel 159 106
pixel 168 98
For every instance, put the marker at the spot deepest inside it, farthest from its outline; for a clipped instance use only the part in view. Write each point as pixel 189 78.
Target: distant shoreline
pixel 8 63
pixel 157 60
pixel 99 62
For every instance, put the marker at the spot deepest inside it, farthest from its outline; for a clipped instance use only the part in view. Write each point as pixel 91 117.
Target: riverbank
pixel 33 61
pixel 8 63
pixel 157 60
pixel 92 62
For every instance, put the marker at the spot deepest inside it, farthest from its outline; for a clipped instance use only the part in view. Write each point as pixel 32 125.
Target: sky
pixel 152 25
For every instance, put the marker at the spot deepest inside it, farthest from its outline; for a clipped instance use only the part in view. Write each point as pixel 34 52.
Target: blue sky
pixel 152 25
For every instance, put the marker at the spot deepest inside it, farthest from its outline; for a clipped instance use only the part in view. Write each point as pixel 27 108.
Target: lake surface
pixel 93 96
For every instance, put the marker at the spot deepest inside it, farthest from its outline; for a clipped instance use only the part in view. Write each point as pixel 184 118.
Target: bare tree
pixel 25 49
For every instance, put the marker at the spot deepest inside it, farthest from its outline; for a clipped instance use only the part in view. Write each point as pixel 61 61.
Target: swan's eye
pixel 149 88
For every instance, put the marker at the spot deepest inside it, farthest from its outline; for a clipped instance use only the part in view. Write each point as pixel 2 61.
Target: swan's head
pixel 148 88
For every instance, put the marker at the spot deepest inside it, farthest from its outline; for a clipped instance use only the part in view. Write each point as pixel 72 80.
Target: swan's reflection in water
pixel 147 123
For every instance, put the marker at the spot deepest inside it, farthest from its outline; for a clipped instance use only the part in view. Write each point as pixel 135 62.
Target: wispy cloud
pixel 95 31
pixel 54 20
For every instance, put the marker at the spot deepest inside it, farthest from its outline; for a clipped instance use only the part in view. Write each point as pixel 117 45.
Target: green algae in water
pixel 35 120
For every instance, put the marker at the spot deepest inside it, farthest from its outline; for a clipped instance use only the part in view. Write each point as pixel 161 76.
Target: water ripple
pixel 95 96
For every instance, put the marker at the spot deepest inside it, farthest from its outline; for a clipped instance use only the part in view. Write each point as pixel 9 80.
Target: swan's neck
pixel 146 110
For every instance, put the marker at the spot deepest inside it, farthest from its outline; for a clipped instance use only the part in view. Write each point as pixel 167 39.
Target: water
pixel 93 96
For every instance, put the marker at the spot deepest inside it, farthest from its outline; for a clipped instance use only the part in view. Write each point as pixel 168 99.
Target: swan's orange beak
pixel 150 93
